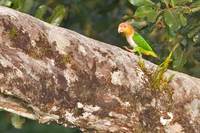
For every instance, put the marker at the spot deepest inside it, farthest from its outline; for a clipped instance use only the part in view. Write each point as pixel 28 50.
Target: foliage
pixel 158 80
pixel 171 22
pixel 17 121
pixel 39 10
pixel 30 126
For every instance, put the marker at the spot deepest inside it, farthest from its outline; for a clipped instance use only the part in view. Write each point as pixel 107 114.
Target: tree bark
pixel 48 73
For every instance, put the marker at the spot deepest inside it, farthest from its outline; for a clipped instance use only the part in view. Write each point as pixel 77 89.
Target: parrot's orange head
pixel 126 28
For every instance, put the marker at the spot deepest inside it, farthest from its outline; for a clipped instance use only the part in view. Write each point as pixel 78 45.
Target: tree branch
pixel 49 73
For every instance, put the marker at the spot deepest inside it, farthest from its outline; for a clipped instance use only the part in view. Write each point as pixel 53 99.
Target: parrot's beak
pixel 120 30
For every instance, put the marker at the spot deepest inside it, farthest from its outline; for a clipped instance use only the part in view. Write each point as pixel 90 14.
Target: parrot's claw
pixel 128 49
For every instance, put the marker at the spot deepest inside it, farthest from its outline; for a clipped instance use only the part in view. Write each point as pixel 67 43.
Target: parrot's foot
pixel 128 49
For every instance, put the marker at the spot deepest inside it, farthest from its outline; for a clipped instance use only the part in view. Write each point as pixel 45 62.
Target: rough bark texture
pixel 48 73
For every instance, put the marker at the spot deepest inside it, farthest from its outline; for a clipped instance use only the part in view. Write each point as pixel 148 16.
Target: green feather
pixel 143 46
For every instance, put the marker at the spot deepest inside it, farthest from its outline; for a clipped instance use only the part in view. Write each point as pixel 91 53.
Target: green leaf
pixel 57 15
pixel 181 2
pixel 141 2
pixel 40 12
pixel 6 3
pixel 18 4
pixel 146 12
pixel 21 5
pixel 171 20
pixel 183 19
pixel 179 59
pixel 17 121
pixel 195 3
pixel 28 4
pixel 172 3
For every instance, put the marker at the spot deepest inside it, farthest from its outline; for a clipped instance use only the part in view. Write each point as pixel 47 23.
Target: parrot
pixel 135 40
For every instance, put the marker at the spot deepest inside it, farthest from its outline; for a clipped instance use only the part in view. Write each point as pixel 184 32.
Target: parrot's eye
pixel 124 26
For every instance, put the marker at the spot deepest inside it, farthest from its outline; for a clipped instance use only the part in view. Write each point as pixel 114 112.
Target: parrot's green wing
pixel 144 47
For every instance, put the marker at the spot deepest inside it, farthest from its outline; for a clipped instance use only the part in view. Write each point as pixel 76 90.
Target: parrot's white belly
pixel 130 41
